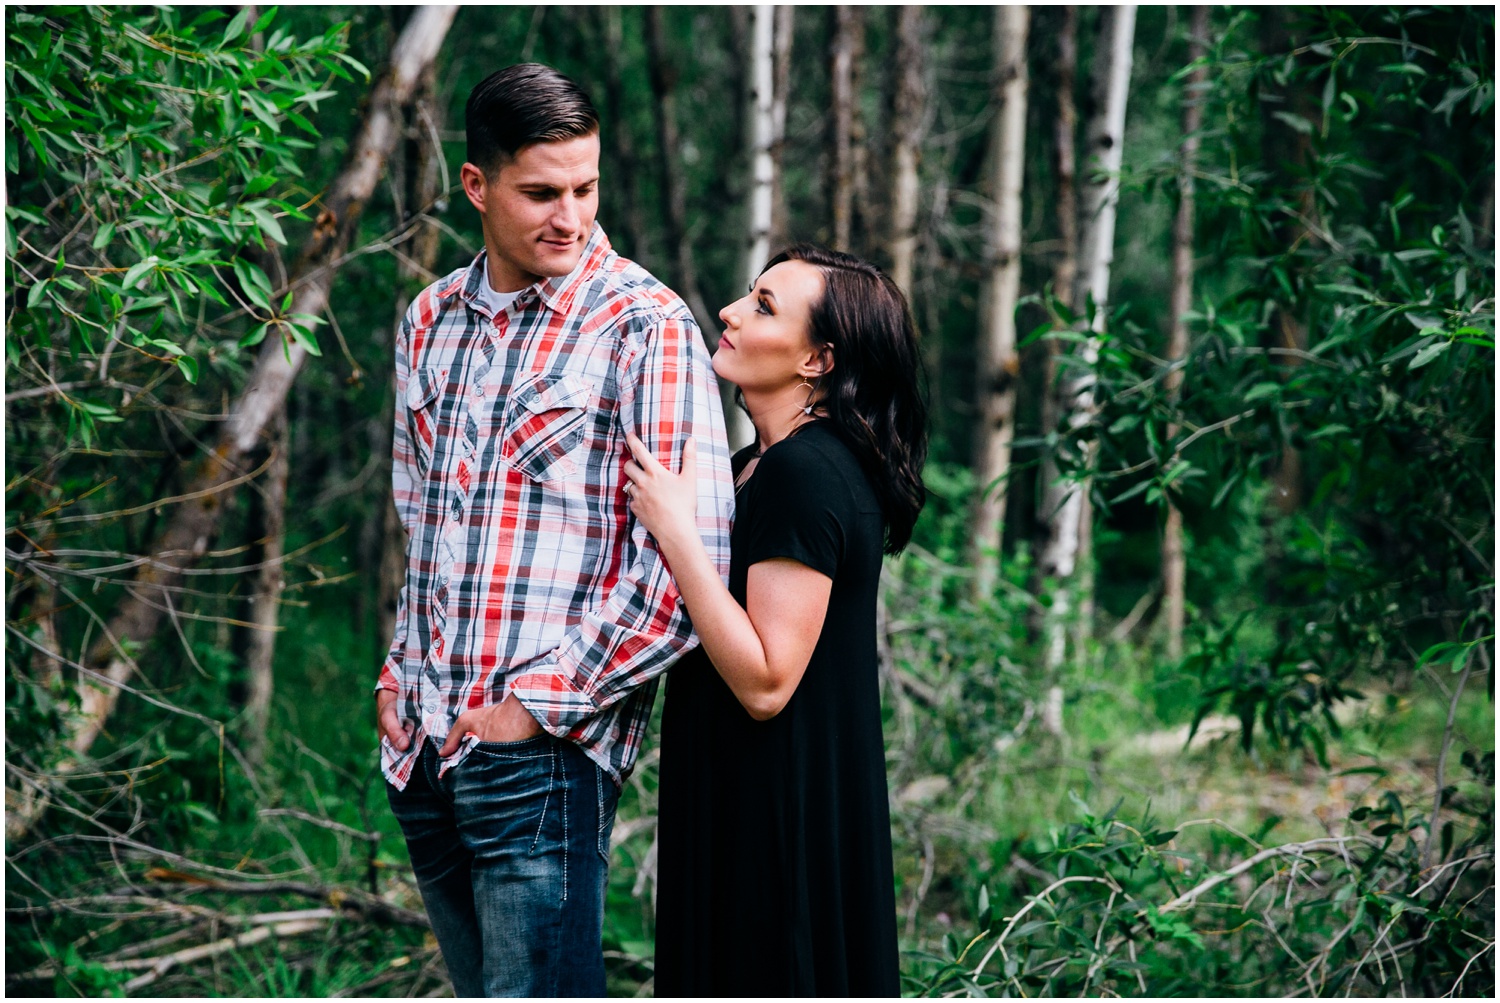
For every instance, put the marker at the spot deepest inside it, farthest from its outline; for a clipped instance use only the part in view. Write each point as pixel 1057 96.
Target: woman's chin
pixel 719 368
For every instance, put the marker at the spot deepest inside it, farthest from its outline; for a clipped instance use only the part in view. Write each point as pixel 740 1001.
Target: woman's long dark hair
pixel 873 393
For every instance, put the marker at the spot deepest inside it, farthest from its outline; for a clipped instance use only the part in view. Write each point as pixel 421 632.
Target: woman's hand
pixel 664 502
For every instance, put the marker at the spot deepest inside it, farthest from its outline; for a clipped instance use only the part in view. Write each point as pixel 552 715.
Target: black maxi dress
pixel 774 854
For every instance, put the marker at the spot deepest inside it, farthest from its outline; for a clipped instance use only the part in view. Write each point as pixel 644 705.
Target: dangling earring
pixel 812 391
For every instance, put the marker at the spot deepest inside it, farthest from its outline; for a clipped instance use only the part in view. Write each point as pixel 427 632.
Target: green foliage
pixel 1117 908
pixel 159 160
pixel 1348 363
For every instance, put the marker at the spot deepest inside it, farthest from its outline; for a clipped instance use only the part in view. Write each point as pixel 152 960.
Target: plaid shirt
pixel 527 575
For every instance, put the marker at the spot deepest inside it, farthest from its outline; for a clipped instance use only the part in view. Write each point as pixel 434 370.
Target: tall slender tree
pixel 998 363
pixel 1173 561
pixel 846 27
pixel 908 99
pixel 1065 507
pixel 669 153
pixel 674 199
pixel 783 24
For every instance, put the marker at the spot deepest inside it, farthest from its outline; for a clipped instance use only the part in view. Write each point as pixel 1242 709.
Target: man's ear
pixel 475 186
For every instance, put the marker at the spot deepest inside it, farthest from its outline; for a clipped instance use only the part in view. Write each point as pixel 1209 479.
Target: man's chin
pixel 551 264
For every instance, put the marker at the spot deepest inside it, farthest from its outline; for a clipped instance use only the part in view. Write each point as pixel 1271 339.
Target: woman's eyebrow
pixel 767 293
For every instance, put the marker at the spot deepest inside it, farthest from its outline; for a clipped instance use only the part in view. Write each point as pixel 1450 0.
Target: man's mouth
pixel 560 244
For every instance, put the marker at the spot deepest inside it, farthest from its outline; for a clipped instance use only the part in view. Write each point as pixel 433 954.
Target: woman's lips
pixel 724 341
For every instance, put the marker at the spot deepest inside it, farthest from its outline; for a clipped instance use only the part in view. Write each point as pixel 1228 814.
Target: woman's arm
pixel 760 651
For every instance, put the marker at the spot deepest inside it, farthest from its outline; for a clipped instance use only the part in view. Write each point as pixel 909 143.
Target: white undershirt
pixel 494 300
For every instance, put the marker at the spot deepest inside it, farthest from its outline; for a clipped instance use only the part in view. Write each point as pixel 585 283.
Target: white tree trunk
pixel 841 149
pixel 1173 559
pixel 1063 504
pixel 906 126
pixel 760 120
pixel 260 660
pixel 999 365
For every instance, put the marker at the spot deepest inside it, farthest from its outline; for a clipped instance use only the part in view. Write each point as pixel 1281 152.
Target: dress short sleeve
pixel 799 509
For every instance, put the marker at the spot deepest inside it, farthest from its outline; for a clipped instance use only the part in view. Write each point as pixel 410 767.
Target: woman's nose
pixel 728 314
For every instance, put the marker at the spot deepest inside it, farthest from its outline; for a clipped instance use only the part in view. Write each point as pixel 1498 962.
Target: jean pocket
pixel 510 791
pixel 538 746
pixel 544 425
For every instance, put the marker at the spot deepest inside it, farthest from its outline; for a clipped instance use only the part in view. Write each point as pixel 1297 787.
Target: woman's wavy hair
pixel 873 394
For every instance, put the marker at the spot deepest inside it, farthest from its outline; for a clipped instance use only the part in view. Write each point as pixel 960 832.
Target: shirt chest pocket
pixel 422 389
pixel 545 421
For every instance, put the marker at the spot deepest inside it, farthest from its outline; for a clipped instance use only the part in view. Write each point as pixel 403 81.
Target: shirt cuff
pixel 549 696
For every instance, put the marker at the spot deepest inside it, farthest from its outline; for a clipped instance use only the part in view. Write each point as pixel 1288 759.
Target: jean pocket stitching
pixel 514 750
pixel 547 803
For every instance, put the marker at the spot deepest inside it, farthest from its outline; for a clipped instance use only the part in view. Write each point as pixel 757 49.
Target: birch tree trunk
pixel 1064 271
pixel 760 119
pixel 1068 543
pixel 195 521
pixel 1173 562
pixel 632 219
pixel 674 206
pixel 841 156
pixel 781 83
pixel 999 365
pixel 906 127
pixel 265 611
pixel 673 186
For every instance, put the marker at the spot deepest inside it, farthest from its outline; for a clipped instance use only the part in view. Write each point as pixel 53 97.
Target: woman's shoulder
pixel 817 459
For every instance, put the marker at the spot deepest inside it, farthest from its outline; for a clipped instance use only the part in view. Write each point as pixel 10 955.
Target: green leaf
pixel 259 184
pixel 1261 391
pixel 1429 353
pixel 265 20
pixel 304 337
pixel 255 336
pixel 1297 122
pixel 253 281
pixel 268 224
pixel 103 237
pixel 236 27
pixel 37 292
pixel 189 367
pixel 137 270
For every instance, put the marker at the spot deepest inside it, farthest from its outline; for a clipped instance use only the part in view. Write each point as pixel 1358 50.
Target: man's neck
pixel 503 279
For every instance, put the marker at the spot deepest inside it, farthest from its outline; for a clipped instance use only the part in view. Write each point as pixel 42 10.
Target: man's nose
pixel 565 216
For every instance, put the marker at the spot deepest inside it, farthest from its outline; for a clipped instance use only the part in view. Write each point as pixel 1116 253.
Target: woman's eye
pixel 760 307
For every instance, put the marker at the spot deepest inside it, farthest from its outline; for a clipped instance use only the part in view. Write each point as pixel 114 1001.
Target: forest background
pixel 1188 670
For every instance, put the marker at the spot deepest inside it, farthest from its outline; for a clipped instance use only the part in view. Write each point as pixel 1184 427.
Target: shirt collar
pixel 556 292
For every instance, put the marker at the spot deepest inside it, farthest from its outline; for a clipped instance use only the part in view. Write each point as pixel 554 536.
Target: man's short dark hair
pixel 523 104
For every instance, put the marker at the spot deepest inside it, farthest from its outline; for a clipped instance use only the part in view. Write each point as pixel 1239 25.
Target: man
pixel 537 613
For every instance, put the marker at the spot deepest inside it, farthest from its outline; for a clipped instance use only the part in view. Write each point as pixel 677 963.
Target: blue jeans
pixel 511 851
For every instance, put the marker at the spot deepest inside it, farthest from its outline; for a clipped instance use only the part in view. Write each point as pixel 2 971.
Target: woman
pixel 775 875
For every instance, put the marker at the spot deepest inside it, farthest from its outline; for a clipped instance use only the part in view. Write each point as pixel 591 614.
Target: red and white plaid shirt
pixel 525 570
